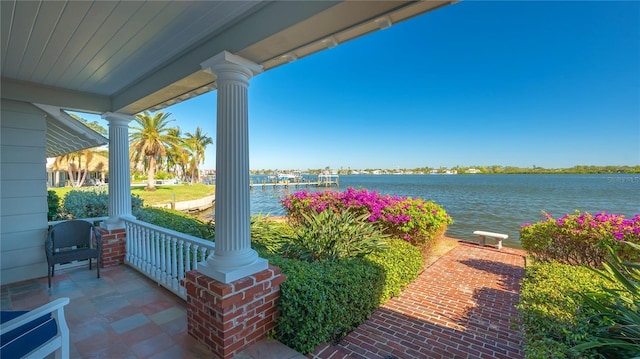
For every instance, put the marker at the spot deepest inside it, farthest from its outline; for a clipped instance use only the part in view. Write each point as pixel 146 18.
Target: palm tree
pixel 197 143
pixel 76 172
pixel 178 156
pixel 150 140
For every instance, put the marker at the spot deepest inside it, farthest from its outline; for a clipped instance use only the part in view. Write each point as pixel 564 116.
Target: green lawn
pixel 163 194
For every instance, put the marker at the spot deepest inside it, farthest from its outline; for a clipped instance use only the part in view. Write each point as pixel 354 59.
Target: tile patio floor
pixel 460 307
pixel 121 315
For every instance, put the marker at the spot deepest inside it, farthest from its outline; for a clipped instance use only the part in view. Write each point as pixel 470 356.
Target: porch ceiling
pixel 130 56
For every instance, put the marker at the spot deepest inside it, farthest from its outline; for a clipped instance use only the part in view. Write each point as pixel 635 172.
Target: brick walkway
pixel 460 307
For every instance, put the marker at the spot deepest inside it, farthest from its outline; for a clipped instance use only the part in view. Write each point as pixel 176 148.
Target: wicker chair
pixel 72 241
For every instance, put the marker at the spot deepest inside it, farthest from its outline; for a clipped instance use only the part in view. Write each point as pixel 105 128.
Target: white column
pixel 119 171
pixel 233 257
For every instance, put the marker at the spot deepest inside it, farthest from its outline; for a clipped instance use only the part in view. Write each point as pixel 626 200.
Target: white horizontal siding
pixel 23 192
pixel 24 171
pixel 17 189
pixel 22 206
pixel 23 239
pixel 23 222
pixel 23 257
pixel 13 153
pixel 25 272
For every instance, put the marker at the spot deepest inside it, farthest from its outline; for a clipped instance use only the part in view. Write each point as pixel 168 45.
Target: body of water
pixel 494 203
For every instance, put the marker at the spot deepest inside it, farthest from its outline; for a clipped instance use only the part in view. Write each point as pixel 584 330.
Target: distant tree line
pixel 494 169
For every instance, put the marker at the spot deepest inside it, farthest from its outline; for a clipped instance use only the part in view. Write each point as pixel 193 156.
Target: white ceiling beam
pixel 49 95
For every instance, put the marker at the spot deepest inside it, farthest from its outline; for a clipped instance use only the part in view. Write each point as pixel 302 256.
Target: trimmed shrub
pixel 401 263
pixel 581 238
pixel 90 203
pixel 414 220
pixel 321 302
pixel 53 204
pixel 552 313
pixel 329 235
pixel 176 220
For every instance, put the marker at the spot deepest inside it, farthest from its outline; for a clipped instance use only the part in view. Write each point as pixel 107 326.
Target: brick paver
pixel 462 306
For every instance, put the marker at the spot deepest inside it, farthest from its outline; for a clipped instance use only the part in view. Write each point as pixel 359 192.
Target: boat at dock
pixel 296 179
pixel 327 179
pixel 293 176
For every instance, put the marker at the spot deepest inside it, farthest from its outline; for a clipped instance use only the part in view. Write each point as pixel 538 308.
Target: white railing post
pixel 146 246
pixel 174 261
pixel 180 264
pixel 194 260
pixel 187 257
pixel 167 265
pixel 139 231
pixel 162 277
pixel 127 243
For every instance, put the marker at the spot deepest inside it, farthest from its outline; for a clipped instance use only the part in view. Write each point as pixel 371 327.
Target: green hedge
pixel 553 316
pixel 53 204
pixel 321 302
pixel 176 220
pixel 89 204
pixel 401 263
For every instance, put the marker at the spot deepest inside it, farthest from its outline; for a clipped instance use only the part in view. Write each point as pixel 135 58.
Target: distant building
pixel 473 170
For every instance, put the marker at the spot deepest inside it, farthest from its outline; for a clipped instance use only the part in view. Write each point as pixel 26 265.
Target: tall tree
pixel 76 170
pixel 197 144
pixel 178 156
pixel 150 138
pixel 94 125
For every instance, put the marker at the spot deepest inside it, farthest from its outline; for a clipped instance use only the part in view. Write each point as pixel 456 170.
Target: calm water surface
pixel 496 203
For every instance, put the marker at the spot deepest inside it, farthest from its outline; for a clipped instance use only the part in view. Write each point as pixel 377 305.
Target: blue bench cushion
pixel 22 340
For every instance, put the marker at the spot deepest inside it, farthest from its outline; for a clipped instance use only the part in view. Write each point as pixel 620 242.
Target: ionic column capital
pixel 227 66
pixel 117 118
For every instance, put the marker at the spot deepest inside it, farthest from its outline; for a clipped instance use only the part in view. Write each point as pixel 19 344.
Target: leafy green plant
pixel 329 235
pixel 53 204
pixel 271 234
pixel 553 317
pixel 617 309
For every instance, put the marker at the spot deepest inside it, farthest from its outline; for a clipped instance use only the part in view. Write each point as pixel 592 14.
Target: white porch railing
pixel 164 255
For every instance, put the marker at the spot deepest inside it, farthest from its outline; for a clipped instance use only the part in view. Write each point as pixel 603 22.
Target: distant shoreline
pixel 479 170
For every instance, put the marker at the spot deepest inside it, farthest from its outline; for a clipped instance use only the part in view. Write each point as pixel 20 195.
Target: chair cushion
pixel 22 340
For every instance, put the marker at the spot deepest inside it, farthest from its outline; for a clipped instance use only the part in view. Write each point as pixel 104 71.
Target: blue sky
pixel 551 84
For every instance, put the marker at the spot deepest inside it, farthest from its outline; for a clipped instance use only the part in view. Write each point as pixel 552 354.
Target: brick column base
pixel 228 318
pixel 113 247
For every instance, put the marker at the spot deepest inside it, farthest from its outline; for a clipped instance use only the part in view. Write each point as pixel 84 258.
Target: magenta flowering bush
pixel 414 220
pixel 581 238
